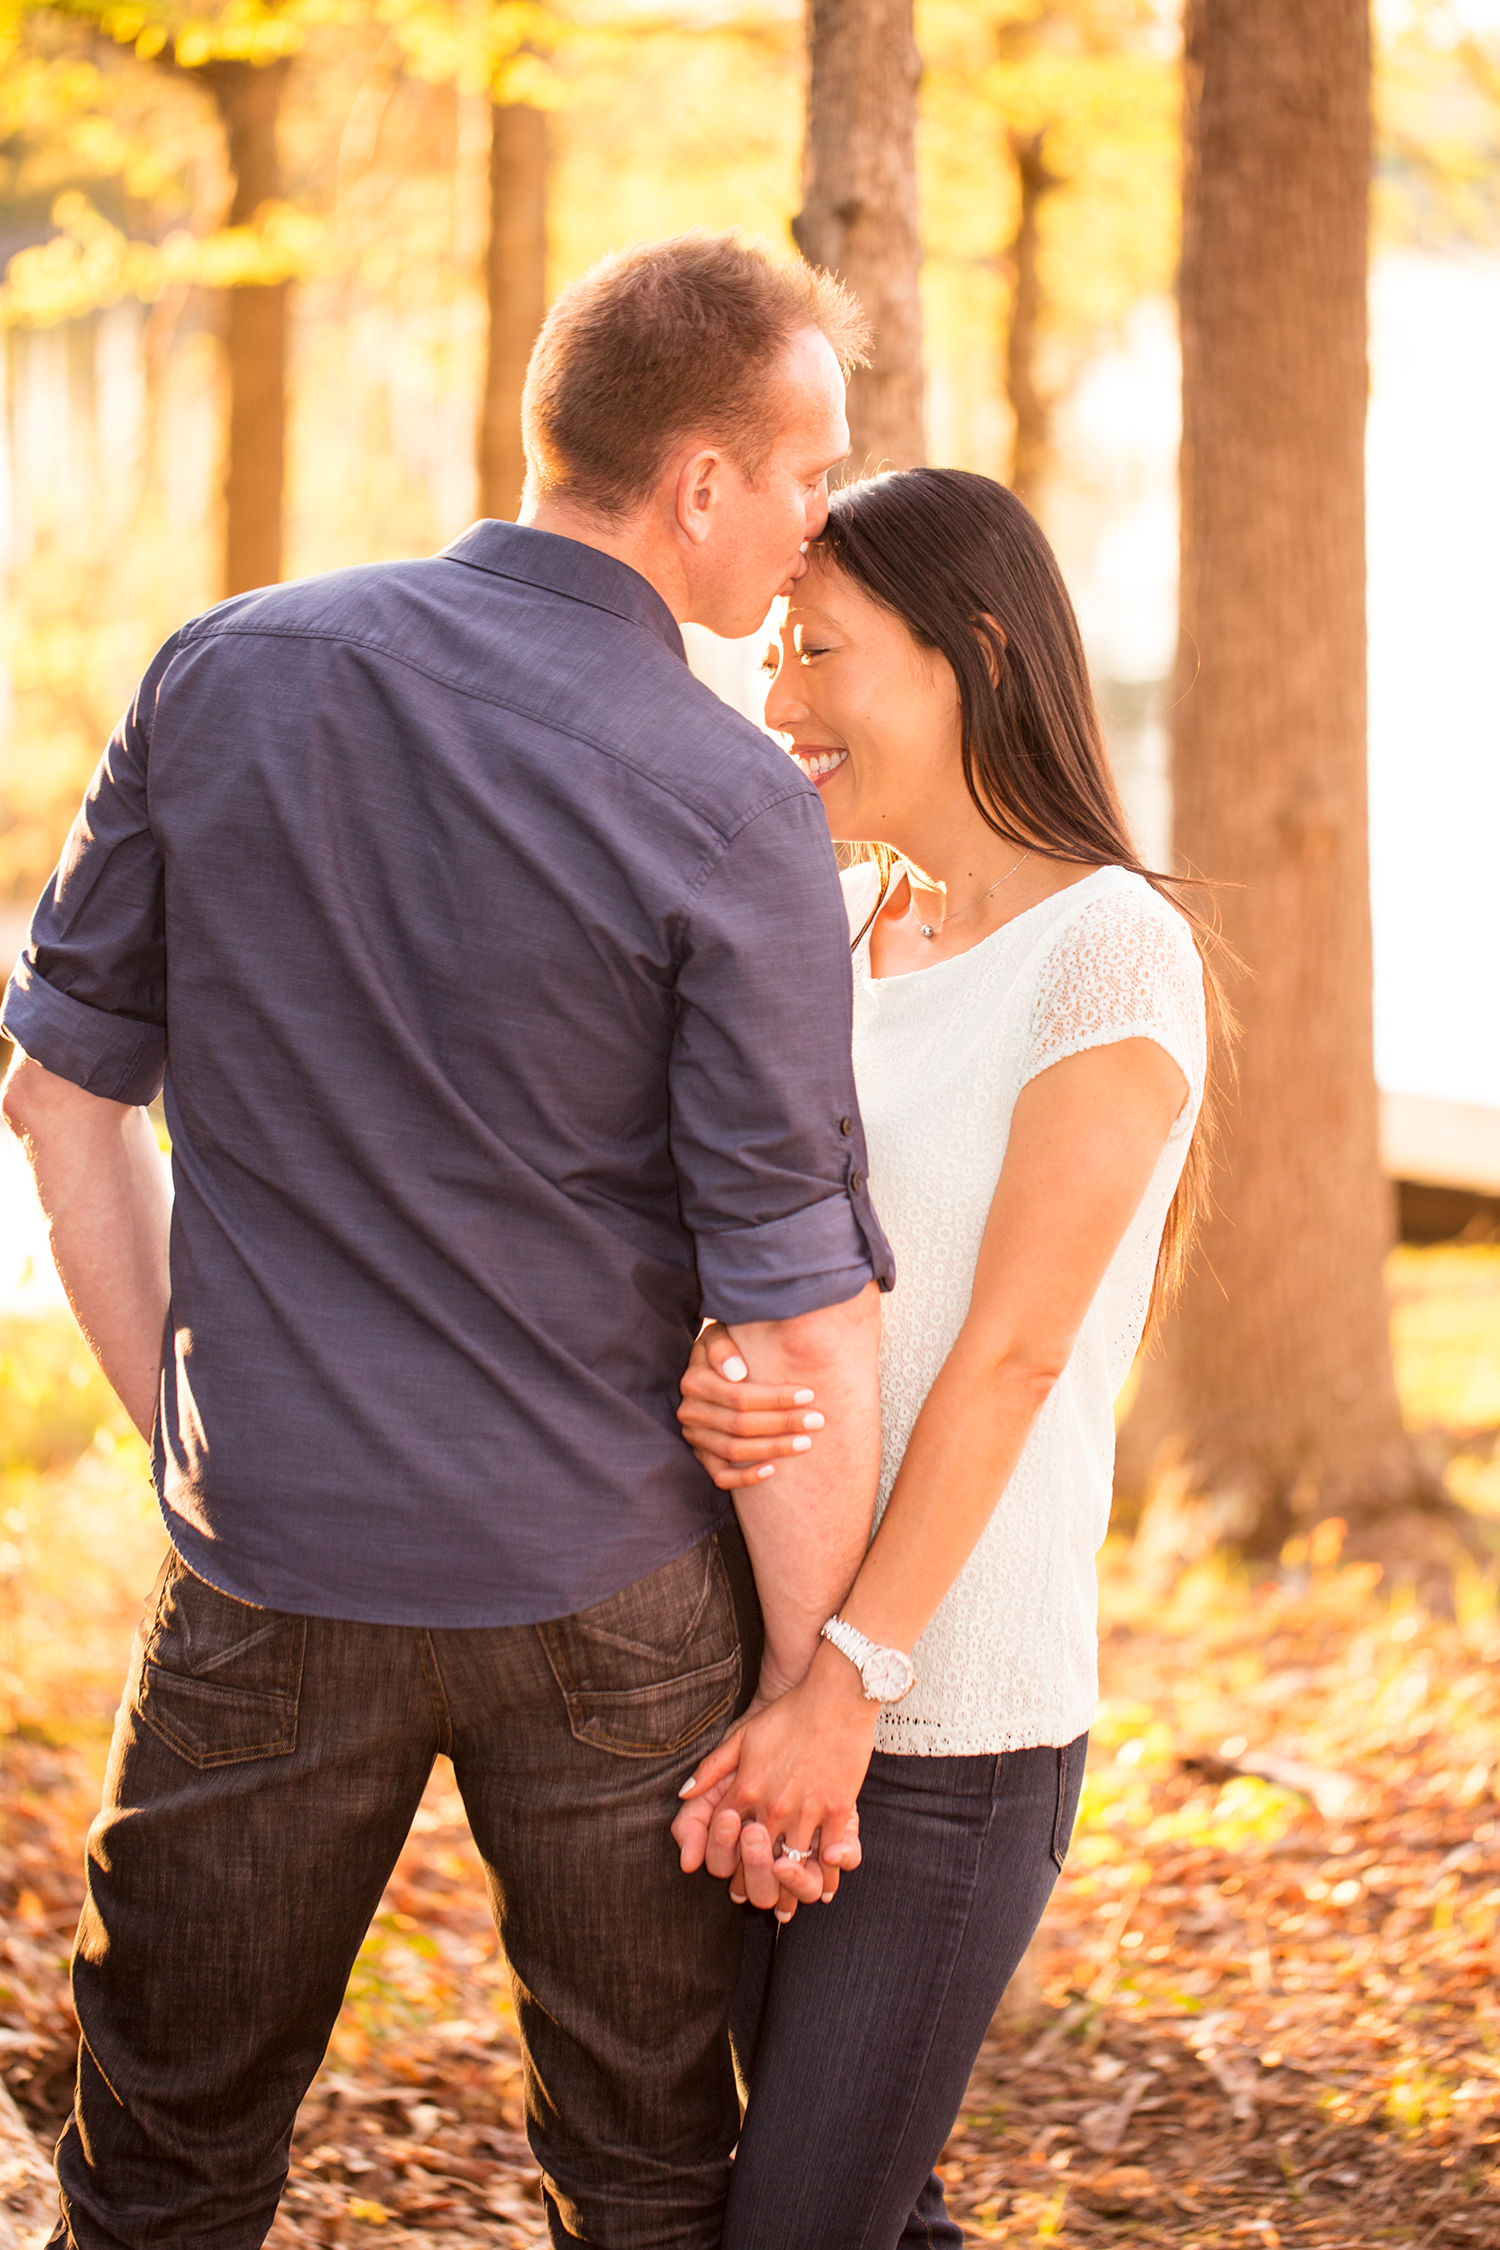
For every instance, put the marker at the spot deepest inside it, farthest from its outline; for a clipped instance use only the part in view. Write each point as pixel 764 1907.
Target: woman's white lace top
pixel 940 1056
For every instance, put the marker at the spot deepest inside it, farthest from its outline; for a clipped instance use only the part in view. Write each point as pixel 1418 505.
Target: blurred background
pixel 271 273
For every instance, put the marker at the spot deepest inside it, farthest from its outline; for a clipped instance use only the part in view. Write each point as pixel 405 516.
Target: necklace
pixel 927 929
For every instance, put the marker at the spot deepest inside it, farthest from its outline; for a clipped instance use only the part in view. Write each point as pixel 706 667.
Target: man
pixel 499 977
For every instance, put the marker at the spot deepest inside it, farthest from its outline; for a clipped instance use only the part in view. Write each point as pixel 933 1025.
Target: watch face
pixel 887 1674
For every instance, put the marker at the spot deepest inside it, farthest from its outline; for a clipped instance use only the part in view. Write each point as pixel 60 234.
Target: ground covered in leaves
pixel 1263 2008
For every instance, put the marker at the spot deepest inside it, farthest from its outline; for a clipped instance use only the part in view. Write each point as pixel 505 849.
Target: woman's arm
pixel 1085 1139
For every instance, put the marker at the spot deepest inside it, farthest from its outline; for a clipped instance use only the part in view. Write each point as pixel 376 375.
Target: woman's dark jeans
pixel 263 1776
pixel 856 2026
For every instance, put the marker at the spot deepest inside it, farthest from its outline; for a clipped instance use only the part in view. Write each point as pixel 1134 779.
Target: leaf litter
pixel 1261 2013
pixel 1244 2022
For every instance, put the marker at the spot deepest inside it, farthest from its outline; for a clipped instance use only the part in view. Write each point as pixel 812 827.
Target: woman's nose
pixel 783 708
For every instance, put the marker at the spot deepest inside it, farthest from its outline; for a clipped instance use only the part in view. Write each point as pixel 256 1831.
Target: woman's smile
pixel 818 761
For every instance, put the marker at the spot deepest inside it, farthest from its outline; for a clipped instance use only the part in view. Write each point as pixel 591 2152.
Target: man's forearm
pixel 807 1528
pixel 103 1190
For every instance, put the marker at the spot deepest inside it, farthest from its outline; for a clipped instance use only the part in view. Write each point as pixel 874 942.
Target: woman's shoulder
pixel 1117 912
pixel 1122 965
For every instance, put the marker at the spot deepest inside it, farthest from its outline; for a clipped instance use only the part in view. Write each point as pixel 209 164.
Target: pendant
pixel 927 929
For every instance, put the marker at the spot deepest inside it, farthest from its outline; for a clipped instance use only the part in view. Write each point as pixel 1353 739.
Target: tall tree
pixel 859 207
pixel 516 294
pixel 1031 446
pixel 255 332
pixel 1275 1390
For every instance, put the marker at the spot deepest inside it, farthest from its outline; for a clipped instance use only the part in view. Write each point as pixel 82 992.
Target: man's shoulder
pixel 689 741
pixel 595 679
pixel 338 604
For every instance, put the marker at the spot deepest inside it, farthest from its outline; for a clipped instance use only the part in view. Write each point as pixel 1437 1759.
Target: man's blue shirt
pixel 498 974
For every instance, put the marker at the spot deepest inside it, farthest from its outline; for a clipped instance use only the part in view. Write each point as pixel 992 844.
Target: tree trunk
pixel 1275 1391
pixel 1031 447
pixel 516 286
pixel 859 208
pixel 255 336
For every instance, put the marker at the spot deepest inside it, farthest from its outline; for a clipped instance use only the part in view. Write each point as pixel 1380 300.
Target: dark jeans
pixel 856 2026
pixel 263 1776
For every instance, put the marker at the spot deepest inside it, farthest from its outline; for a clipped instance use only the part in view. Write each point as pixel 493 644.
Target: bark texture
pixel 249 101
pixel 1275 1391
pixel 859 208
pixel 516 285
pixel 1031 447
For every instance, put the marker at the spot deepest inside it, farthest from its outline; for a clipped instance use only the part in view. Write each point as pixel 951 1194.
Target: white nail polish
pixel 802 1445
pixel 734 1370
pixel 767 1471
pixel 812 1421
pixel 803 1398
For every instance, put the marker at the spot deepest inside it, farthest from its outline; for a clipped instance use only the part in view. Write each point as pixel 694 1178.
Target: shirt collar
pixel 566 567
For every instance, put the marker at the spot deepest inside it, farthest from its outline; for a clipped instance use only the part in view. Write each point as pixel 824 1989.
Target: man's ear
pixel 697 491
pixel 988 630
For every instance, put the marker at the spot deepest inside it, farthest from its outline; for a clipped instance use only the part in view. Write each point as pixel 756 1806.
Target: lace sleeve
pixel 1124 968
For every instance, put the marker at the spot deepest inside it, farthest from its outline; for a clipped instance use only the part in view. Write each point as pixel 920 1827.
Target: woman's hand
pixel 744 1855
pixel 739 1429
pixel 786 1777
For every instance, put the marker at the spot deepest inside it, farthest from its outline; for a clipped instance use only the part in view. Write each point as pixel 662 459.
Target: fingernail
pixel 826 1899
pixel 803 1398
pixel 736 1898
pixel 812 1421
pixel 734 1370
pixel 782 1915
pixel 688 1786
pixel 767 1471
pixel 802 1445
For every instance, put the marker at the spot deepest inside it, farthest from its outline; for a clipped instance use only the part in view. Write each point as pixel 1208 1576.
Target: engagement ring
pixel 796 1858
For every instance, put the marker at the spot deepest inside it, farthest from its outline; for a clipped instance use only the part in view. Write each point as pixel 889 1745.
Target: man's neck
pixel 634 540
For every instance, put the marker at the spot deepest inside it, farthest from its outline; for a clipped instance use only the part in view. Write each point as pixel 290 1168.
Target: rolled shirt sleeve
pixel 766 1134
pixel 88 999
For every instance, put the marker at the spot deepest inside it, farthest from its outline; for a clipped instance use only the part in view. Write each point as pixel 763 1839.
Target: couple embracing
pixel 593 1217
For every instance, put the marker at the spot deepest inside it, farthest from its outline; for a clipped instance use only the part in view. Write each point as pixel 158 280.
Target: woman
pixel 1030 1045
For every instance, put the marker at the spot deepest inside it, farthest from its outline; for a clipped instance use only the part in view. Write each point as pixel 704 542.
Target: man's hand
pixel 793 1770
pixel 103 1187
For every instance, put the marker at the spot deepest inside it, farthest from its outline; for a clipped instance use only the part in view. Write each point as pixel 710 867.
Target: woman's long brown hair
pixel 969 572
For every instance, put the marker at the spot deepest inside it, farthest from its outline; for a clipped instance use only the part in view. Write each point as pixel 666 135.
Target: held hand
pixel 710 1833
pixel 795 1770
pixel 740 1429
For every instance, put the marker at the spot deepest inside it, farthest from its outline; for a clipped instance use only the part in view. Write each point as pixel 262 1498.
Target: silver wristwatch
pixel 886 1672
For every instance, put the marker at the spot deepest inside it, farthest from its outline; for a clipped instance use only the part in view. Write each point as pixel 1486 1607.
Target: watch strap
pixel 860 1649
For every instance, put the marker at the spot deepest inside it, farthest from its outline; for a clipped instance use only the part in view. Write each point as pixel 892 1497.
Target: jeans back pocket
pixel 650 1669
pixel 218 1680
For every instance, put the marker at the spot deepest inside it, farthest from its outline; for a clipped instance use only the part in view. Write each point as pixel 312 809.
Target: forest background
pixel 1262 2007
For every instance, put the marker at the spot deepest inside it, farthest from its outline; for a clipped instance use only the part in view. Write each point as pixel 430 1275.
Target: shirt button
pixel 856 1182
pixel 846 1126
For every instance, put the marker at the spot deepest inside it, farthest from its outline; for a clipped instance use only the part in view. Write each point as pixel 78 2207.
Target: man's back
pixel 464 900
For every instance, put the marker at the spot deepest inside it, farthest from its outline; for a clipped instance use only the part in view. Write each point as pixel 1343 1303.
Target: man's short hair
pixel 660 343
